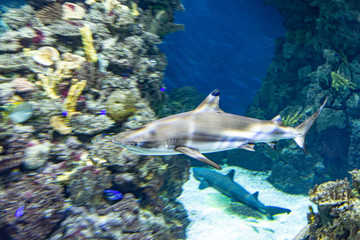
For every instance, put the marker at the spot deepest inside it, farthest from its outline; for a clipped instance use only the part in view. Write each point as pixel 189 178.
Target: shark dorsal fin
pixel 203 185
pixel 231 174
pixel 277 120
pixel 256 194
pixel 210 103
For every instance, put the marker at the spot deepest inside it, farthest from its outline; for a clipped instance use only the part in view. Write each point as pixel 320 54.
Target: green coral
pixel 339 81
pixel 293 116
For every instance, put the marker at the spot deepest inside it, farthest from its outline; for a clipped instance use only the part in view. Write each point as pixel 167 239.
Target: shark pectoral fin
pixel 231 174
pixel 194 153
pixel 248 146
pixel 203 185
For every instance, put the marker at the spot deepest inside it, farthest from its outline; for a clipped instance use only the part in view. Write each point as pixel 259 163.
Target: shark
pixel 208 129
pixel 226 185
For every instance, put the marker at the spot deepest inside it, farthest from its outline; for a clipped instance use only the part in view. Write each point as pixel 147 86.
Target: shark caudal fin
pixel 271 211
pixel 304 127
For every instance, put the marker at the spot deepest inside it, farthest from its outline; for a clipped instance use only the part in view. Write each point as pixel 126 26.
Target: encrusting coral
pixel 339 210
pixel 27 203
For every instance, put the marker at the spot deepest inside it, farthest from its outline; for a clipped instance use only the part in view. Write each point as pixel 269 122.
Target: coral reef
pixel 87 184
pixel 41 204
pixel 338 210
pixel 87 69
pixel 317 58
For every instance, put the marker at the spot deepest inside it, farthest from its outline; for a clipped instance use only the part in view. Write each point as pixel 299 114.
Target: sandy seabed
pixel 212 219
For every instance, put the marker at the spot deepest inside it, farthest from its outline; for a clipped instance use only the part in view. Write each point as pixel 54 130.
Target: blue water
pixel 224 45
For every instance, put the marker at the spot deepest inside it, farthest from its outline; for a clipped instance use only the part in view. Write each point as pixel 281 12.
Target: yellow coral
pixel 339 81
pixel 74 92
pixel 49 83
pixel 292 120
pixel 88 43
pixel 134 10
pixel 64 68
pixel 58 124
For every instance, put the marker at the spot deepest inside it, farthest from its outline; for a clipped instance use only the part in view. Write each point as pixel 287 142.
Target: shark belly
pixel 214 146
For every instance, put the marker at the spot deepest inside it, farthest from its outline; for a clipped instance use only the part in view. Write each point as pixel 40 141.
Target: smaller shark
pixel 226 185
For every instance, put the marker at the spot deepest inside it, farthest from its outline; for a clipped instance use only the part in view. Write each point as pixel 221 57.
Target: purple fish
pixel 113 195
pixel 19 212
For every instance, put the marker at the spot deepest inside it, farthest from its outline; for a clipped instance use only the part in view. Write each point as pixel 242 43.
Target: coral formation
pixel 339 81
pixel 49 13
pixel 87 69
pixel 316 58
pixel 120 105
pixel 338 210
pixel 46 56
pixel 42 205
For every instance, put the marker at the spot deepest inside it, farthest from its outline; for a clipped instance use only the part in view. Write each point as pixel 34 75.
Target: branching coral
pixel 88 43
pixel 292 120
pixel 291 116
pixel 64 69
pixel 74 92
pixel 339 81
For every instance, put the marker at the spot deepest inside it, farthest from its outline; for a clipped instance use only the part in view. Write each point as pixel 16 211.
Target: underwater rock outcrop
pixel 32 207
pixel 317 58
pixel 88 69
pixel 338 210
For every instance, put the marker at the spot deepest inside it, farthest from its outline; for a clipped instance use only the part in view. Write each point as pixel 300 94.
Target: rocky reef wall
pixel 71 75
pixel 317 58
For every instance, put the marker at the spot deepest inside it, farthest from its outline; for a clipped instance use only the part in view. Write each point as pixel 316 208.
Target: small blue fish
pixel 103 112
pixel 113 195
pixel 19 212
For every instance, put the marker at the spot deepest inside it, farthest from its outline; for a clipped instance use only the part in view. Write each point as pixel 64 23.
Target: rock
pixel 36 155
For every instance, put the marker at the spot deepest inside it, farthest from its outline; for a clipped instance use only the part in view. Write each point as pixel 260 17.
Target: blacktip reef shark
pixel 226 185
pixel 209 129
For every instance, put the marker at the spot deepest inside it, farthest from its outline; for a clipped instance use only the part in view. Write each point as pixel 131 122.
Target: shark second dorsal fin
pixel 277 120
pixel 256 194
pixel 210 103
pixel 231 174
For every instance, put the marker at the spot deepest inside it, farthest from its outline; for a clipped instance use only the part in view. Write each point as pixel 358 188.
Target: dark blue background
pixel 226 45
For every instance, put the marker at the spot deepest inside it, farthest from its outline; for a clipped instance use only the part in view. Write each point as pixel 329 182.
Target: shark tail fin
pixel 304 127
pixel 271 211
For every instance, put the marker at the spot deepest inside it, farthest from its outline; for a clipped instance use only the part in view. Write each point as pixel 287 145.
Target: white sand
pixel 211 219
